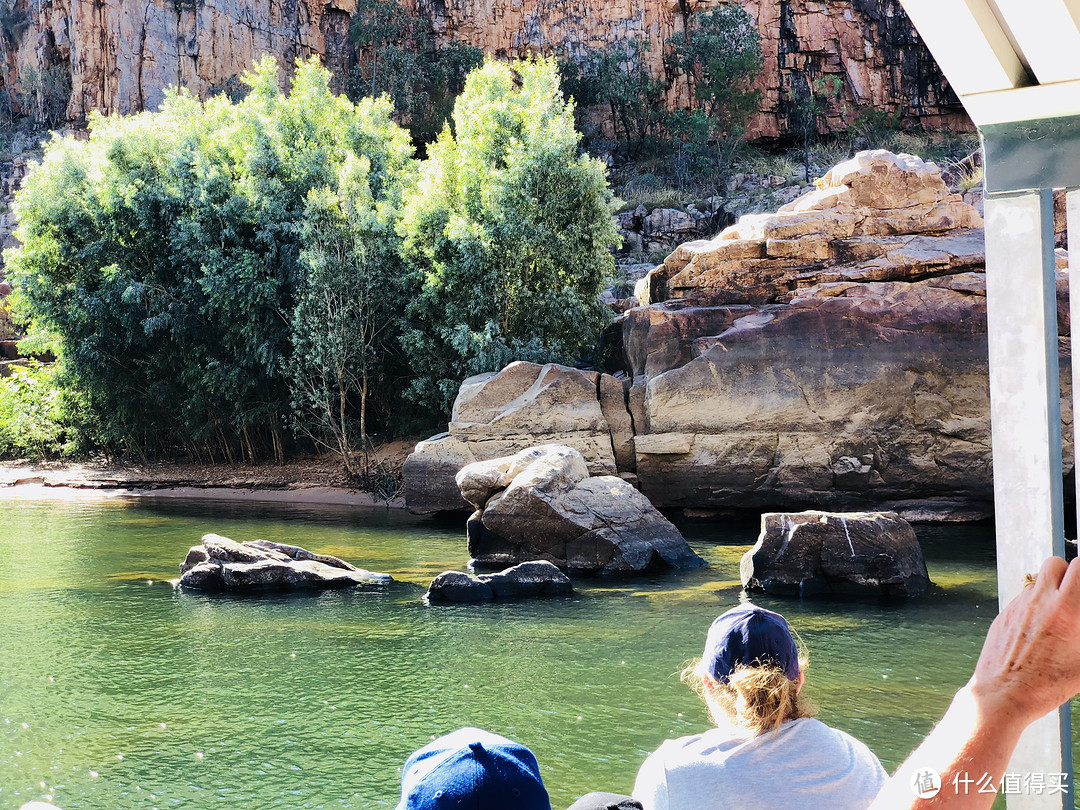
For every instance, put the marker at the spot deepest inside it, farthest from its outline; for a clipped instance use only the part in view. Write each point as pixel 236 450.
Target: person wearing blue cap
pixel 766 751
pixel 472 769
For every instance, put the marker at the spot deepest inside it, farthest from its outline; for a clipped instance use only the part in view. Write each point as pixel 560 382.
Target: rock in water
pixel 497 414
pixel 541 504
pixel 221 564
pixel 529 579
pixel 861 554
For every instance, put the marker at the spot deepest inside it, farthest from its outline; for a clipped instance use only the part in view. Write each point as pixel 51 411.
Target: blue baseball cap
pixel 472 769
pixel 750 636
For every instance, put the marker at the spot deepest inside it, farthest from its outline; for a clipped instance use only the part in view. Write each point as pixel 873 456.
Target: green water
pixel 118 691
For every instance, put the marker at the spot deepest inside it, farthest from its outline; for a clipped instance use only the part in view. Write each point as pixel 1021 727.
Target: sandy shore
pixel 308 495
pixel 302 481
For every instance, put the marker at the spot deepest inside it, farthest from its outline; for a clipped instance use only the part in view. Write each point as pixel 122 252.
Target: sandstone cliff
pixel 119 56
pixel 870 45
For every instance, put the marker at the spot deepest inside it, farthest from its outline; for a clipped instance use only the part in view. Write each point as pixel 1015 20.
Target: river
pixel 118 691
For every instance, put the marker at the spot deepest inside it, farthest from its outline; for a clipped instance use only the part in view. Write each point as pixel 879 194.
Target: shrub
pixel 399 57
pixel 37 416
pixel 344 327
pixel 165 253
pixel 619 79
pixel 507 234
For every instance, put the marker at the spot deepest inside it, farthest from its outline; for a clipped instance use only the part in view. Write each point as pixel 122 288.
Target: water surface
pixel 119 691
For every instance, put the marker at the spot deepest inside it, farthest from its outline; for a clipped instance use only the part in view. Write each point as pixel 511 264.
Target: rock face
pixel 809 554
pixel 830 355
pixel 119 57
pixel 221 564
pixel 870 45
pixel 875 217
pixel 529 579
pixel 542 504
pixel 525 404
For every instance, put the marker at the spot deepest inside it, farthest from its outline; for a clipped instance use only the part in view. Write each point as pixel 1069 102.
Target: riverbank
pixel 311 480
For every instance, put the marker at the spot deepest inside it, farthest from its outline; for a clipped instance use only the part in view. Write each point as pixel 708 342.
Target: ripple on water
pixel 316 700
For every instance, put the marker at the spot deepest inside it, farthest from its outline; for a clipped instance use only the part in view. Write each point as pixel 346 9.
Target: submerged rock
pixel 542 504
pixel 529 579
pixel 221 564
pixel 861 554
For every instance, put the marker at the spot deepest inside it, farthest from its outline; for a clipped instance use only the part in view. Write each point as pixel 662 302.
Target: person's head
pixel 751 671
pixel 472 769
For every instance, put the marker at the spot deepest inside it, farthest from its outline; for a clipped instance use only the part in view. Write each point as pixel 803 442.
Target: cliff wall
pixel 120 55
pixel 870 45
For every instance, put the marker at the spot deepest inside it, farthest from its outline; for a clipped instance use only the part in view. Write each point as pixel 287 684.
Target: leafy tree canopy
pixel 165 253
pixel 508 233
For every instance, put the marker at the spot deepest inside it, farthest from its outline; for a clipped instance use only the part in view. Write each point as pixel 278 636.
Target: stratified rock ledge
pixel 221 564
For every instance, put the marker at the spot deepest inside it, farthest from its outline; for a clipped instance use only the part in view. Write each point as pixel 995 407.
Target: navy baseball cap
pixel 749 636
pixel 472 769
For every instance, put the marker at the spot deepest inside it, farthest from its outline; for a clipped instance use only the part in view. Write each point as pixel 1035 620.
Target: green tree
pixel 39 419
pixel 619 78
pixel 165 253
pixel 508 233
pixel 719 55
pixel 344 328
pixel 398 55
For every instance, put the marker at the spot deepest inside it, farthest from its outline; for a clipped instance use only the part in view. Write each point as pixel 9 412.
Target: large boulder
pixel 526 580
pixel 831 354
pixel 221 564
pixel 543 504
pixel 525 404
pixel 870 555
pixel 771 411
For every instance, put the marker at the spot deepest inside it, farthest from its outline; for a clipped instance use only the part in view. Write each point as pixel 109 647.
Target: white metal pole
pixel 1026 421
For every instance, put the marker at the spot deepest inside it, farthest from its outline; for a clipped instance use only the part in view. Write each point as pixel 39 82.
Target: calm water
pixel 117 691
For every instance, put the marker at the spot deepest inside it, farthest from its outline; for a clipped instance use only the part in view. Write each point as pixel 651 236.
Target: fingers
pixel 1051 574
pixel 1070 585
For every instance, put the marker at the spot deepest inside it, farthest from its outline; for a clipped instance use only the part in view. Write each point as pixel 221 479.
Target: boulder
pixel 524 405
pixel 221 564
pixel 831 354
pixel 529 579
pixel 543 504
pixel 428 474
pixel 892 375
pixel 869 555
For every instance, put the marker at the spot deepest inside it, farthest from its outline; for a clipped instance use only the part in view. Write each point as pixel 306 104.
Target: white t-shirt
pixel 803 765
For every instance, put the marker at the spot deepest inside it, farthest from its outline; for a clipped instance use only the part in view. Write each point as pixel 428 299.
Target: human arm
pixel 1029 665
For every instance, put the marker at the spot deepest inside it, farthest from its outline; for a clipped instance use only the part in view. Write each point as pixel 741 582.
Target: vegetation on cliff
pixel 397 55
pixel 710 65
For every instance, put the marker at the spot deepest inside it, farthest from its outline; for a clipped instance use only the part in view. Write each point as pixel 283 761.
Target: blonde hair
pixel 755 699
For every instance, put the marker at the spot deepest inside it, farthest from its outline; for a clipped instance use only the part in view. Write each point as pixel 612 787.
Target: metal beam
pixel 1028 155
pixel 969 44
pixel 1024 103
pixel 1072 220
pixel 1026 418
pixel 1045 35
